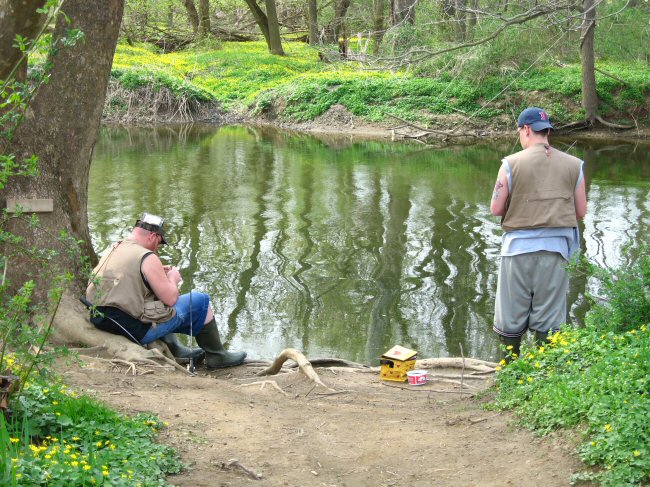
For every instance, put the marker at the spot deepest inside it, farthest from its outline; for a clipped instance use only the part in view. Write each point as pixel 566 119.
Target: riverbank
pixel 233 428
pixel 241 82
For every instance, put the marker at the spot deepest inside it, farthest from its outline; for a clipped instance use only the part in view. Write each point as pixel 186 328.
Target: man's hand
pixel 173 274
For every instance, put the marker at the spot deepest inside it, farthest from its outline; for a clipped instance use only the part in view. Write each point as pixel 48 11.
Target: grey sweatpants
pixel 531 294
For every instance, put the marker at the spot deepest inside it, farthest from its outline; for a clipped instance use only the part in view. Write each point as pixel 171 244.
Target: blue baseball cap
pixel 536 118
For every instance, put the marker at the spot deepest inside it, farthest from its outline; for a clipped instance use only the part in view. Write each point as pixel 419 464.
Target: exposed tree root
pixel 332 362
pixel 303 364
pixel 613 125
pixel 71 326
pixel 263 383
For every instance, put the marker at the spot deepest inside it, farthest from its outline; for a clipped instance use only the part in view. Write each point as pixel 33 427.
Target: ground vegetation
pixel 594 380
pixel 500 44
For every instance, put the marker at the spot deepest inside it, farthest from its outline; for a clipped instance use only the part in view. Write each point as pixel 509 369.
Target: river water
pixel 339 247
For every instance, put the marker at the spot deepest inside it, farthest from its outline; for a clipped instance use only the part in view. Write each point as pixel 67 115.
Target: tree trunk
pixel 335 26
pixel 260 19
pixel 378 8
pixel 275 43
pixel 192 14
pixel 204 19
pixel 472 18
pixel 589 96
pixel 60 128
pixel 312 21
pixel 402 11
pixel 17 18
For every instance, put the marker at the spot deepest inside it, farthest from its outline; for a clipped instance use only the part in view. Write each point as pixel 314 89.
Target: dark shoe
pixel 216 356
pixel 513 344
pixel 181 353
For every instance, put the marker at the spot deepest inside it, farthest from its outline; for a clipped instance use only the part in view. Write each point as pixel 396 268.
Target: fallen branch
pixel 234 464
pixel 456 363
pixel 427 131
pixel 303 364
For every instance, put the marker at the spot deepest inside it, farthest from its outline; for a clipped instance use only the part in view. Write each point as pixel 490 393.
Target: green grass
pixel 245 78
pixel 55 437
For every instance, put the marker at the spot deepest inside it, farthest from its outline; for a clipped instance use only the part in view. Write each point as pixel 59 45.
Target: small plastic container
pixel 417 377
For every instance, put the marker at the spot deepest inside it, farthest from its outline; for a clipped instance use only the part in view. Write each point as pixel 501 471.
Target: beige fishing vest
pixel 118 282
pixel 543 187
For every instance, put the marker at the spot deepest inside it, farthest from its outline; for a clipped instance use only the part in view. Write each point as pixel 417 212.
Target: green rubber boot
pixel 510 354
pixel 181 353
pixel 216 356
pixel 540 339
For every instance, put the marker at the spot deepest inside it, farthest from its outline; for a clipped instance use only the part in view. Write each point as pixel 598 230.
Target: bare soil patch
pixel 368 433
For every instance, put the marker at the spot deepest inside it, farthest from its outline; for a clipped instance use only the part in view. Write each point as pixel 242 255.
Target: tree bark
pixel 192 14
pixel 312 21
pixel 60 128
pixel 275 42
pixel 17 18
pixel 378 8
pixel 204 19
pixel 589 95
pixel 260 19
pixel 402 11
pixel 268 24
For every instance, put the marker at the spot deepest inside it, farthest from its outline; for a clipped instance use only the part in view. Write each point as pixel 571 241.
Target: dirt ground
pixel 234 429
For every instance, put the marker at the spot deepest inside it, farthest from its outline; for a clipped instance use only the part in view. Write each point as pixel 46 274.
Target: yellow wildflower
pixel 87 467
pixel 608 427
pixel 537 365
pixel 14 440
pixel 54 403
pixel 502 362
pixel 497 368
pixel 509 347
pixel 520 382
pixel 636 453
pixel 529 379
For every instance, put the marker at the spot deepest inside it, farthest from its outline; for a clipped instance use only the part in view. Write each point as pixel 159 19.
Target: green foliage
pixel 55 437
pixel 245 77
pixel 627 295
pixel 594 379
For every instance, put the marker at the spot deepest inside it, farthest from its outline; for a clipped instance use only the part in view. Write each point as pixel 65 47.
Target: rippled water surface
pixel 344 248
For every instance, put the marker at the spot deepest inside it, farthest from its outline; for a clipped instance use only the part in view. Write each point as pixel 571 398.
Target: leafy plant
pixel 595 380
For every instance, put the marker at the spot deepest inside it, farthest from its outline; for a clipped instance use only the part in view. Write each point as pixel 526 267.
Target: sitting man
pixel 136 296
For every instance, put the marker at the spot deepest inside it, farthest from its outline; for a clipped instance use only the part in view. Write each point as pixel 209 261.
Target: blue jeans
pixel 181 322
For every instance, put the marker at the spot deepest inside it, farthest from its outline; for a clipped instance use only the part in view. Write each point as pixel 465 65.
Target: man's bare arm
pixel 500 195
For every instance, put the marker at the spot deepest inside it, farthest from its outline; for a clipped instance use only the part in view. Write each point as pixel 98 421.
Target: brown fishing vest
pixel 118 282
pixel 543 187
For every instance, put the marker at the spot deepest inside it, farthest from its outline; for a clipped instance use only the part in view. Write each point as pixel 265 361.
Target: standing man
pixel 135 295
pixel 540 196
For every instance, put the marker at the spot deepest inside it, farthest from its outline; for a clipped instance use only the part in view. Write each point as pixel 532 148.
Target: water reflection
pixel 342 248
